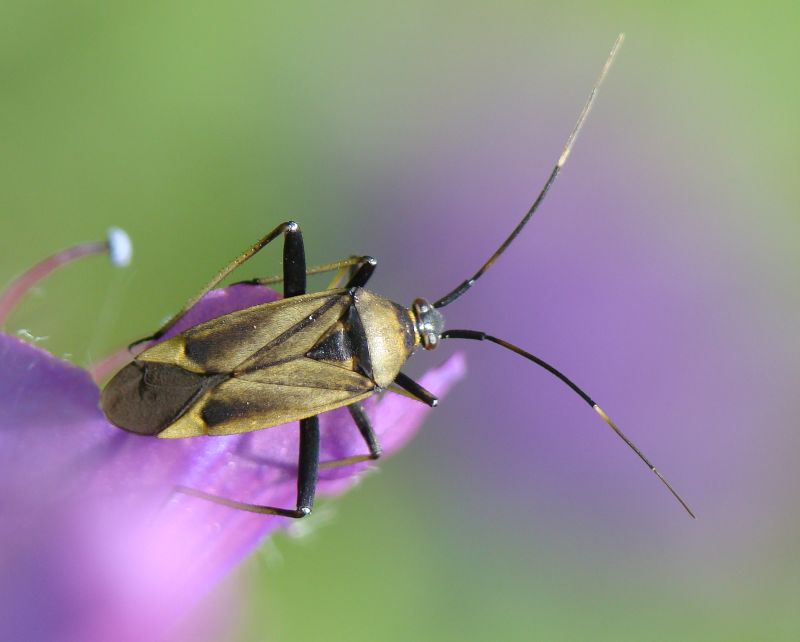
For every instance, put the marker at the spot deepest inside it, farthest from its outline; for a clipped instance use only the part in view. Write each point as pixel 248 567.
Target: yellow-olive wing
pixel 272 331
pixel 253 368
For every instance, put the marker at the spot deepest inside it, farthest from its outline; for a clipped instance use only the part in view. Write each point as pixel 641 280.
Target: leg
pixel 244 450
pixel 360 275
pixel 308 465
pixel 365 428
pixel 415 390
pixel 294 264
pixel 293 270
pixel 361 266
pixel 294 284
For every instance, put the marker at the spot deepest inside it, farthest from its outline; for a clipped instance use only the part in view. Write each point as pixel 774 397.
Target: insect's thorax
pixel 383 333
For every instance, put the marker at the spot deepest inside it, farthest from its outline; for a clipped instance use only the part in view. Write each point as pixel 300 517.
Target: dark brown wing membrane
pixel 148 397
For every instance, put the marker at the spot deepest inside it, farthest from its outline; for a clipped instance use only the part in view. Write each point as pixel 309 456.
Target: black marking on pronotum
pixel 358 338
pixel 293 359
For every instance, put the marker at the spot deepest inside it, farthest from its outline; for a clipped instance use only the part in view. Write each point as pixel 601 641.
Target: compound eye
pixel 430 323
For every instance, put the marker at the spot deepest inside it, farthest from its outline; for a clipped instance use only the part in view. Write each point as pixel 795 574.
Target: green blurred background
pixel 418 132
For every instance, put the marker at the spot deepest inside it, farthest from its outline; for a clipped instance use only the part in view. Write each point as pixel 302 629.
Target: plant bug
pixel 292 359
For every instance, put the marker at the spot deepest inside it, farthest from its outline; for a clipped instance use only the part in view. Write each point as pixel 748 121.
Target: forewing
pixel 270 396
pixel 270 379
pixel 253 336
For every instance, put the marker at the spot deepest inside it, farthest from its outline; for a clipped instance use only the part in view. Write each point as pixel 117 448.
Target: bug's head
pixel 429 323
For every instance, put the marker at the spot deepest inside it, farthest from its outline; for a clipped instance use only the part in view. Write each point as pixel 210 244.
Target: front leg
pixel 415 390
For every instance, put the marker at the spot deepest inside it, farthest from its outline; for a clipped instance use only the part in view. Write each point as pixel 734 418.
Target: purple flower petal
pixel 94 544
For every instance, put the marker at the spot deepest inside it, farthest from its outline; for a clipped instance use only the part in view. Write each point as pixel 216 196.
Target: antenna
pixel 447 299
pixel 482 336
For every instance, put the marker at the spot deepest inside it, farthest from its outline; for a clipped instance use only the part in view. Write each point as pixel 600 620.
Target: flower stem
pixel 20 286
pixel 117 245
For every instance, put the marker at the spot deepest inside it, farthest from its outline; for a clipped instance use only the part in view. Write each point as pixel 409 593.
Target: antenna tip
pixel 614 49
pixel 652 468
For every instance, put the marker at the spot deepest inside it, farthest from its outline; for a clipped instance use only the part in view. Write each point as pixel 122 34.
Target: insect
pixel 295 358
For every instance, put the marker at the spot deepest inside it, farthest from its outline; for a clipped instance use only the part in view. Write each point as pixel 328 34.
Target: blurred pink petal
pixel 94 545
